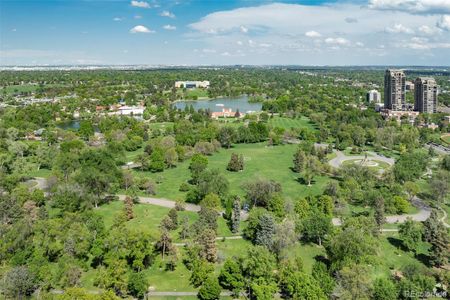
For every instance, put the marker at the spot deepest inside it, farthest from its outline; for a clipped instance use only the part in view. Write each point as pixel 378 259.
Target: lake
pixel 75 125
pixel 234 103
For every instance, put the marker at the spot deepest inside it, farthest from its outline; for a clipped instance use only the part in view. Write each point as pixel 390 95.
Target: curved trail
pixel 341 157
pixel 444 217
pixel 422 215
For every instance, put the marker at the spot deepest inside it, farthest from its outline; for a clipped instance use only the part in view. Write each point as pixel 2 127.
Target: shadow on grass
pixel 423 258
pixel 323 259
pixel 397 243
pixel 304 182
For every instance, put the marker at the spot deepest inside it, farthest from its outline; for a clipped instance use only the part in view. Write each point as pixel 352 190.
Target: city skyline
pixel 314 32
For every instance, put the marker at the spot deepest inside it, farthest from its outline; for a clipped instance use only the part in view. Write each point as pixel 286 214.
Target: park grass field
pixel 132 155
pixel 147 218
pixel 393 256
pixel 287 123
pixel 446 139
pixel 40 173
pixel 13 89
pixel 160 125
pixel 24 88
pixel 381 164
pixel 192 93
pixel 260 161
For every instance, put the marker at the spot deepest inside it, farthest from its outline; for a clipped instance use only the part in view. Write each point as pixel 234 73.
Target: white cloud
pixel 169 27
pixel 313 34
pixel 420 40
pixel 427 30
pixel 420 43
pixel 265 45
pixel 413 6
pixel 243 29
pixel 14 29
pixel 337 41
pixel 226 53
pixel 117 19
pixel 444 23
pixel 209 50
pixel 399 28
pixel 313 31
pixel 137 17
pixel 140 29
pixel 167 13
pixel 141 4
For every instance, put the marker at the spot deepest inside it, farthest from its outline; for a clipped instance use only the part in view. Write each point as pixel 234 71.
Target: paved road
pixel 181 294
pixel 219 238
pixel 164 203
pixel 41 183
pixel 341 157
pixel 444 217
pixel 438 148
pixel 422 215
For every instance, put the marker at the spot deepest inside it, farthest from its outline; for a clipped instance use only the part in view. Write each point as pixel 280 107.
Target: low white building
pixel 192 84
pixel 373 96
pixel 131 110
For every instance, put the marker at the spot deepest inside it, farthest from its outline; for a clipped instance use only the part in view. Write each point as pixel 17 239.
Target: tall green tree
pixel 384 289
pixel 236 215
pixel 197 166
pixel 231 277
pixel 299 161
pixel 410 233
pixel 227 136
pixel 210 290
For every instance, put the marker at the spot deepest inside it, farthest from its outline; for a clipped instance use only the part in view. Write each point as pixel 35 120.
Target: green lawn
pixel 147 218
pixel 260 161
pixel 381 164
pixel 131 155
pixel 160 125
pixel 192 93
pixel 307 252
pixel 446 139
pixel 13 89
pixel 163 280
pixel 40 173
pixel 392 257
pixel 288 123
pixel 25 88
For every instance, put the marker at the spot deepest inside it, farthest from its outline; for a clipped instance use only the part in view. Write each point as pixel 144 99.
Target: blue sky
pixel 197 32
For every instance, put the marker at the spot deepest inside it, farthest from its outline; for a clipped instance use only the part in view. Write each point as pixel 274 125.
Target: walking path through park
pixel 341 157
pixel 444 217
pixel 181 294
pixel 422 215
pixel 164 203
